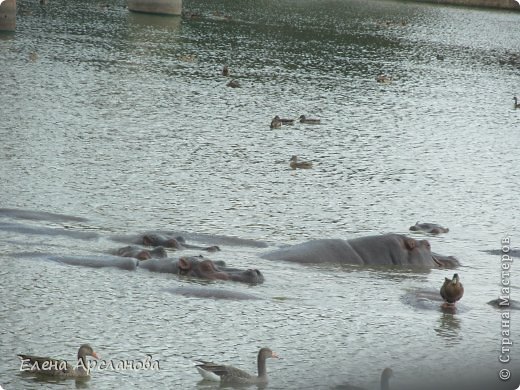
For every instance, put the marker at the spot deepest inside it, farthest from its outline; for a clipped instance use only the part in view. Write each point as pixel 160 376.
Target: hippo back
pixel 317 251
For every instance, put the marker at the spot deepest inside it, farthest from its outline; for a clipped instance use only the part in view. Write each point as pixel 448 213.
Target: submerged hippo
pixel 204 292
pixel 431 228
pixel 153 239
pixel 141 253
pixel 201 267
pixel 386 249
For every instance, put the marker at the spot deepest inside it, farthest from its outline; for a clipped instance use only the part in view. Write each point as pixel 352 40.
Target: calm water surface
pixel 124 120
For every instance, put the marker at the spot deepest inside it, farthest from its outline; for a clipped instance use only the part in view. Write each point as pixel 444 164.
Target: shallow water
pixel 124 120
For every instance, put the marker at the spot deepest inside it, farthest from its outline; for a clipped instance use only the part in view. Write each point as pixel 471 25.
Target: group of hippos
pixel 150 251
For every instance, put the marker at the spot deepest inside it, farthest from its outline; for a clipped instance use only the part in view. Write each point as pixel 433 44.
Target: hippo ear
pixel 409 243
pixel 184 264
pixel 147 241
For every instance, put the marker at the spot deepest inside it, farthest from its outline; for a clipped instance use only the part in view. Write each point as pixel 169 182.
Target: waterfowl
pixel 516 104
pixel 59 368
pixel 385 382
pixel 452 290
pixel 233 84
pixel 229 374
pixel 284 120
pixel 225 71
pixel 276 123
pixel 309 121
pixel 294 163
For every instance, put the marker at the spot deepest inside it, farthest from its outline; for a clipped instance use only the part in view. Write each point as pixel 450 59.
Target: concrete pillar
pixel 8 15
pixel 168 7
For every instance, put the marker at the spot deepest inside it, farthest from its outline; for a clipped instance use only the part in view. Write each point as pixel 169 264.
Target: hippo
pixel 202 292
pixel 386 249
pixel 505 303
pixel 141 253
pixel 201 267
pixel 128 264
pixel 431 228
pixel 153 239
pixel 430 299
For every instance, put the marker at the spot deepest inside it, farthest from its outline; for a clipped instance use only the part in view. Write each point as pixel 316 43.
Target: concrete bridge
pixel 167 7
pixel 174 7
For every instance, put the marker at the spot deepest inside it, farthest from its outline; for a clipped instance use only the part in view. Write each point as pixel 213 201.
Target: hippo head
pixel 201 267
pixel 415 227
pixel 156 240
pixel 158 252
pixel 140 253
pixel 419 253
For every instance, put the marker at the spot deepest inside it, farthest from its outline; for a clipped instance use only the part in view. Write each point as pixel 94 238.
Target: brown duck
pixel 229 374
pixel 452 290
pixel 57 367
pixel 294 163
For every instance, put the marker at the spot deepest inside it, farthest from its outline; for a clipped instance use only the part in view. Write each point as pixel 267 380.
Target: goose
pixel 452 290
pixel 309 121
pixel 294 163
pixel 516 104
pixel 57 367
pixel 229 374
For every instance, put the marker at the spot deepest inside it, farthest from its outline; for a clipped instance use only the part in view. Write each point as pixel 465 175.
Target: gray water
pixel 125 120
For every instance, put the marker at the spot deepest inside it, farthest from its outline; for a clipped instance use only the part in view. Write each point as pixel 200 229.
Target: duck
pixel 452 290
pixel 309 121
pixel 294 163
pixel 229 374
pixel 385 382
pixel 225 71
pixel 285 121
pixel 276 123
pixel 57 367
pixel 233 84
pixel 516 104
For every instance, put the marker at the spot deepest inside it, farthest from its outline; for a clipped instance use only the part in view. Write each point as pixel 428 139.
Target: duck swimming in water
pixel 309 121
pixel 294 163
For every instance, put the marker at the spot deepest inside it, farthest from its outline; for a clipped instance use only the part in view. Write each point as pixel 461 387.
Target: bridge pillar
pixel 168 7
pixel 8 15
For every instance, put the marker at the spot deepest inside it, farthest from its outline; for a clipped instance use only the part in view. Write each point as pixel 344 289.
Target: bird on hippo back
pixel 452 290
pixel 386 249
